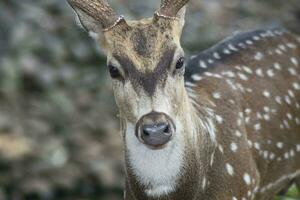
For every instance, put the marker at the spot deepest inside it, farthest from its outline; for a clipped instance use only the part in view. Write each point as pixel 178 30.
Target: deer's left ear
pixel 181 17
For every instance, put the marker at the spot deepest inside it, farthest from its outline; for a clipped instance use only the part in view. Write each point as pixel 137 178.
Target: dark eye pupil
pixel 180 63
pixel 114 72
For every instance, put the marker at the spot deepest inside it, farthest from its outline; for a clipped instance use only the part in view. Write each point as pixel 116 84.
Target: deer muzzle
pixel 155 130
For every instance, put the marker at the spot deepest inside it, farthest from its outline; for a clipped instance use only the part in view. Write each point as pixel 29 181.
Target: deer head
pixel 146 64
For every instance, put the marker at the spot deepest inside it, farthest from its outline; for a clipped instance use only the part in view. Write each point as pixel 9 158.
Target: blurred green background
pixel 59 135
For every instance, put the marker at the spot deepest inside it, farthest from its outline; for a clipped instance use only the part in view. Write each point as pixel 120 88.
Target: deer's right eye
pixel 114 72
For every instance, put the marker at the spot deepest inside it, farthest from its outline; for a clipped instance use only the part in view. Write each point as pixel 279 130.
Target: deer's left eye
pixel 180 63
pixel 114 72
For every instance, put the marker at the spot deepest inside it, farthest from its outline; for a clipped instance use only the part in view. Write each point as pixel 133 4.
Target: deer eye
pixel 114 72
pixel 180 63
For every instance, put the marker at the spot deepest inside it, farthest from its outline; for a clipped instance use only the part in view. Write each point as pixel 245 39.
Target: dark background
pixel 59 135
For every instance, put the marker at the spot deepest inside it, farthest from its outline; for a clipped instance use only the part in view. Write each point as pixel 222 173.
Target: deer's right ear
pixel 87 22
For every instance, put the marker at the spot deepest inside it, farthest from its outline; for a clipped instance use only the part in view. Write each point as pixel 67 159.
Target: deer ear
pixel 92 27
pixel 87 22
pixel 181 16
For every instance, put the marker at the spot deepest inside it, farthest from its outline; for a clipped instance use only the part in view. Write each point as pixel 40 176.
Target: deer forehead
pixel 144 42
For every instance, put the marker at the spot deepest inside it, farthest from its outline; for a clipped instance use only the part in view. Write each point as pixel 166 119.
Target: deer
pixel 223 124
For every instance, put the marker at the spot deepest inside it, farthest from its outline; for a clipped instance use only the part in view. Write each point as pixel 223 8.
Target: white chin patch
pixel 159 170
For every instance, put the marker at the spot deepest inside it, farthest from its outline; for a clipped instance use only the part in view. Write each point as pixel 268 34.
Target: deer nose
pixel 155 130
pixel 156 134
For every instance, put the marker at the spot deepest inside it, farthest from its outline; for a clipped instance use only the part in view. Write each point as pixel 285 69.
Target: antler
pixel 169 8
pixel 99 10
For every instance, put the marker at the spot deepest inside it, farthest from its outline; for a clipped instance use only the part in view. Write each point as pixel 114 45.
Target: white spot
pixel 232 101
pixel 219 119
pixel 233 48
pixel 291 45
pixel 248 70
pixel 243 76
pixel 278 99
pixel 297 121
pixel 258 56
pixel 249 42
pixel 259 72
pixel 247 110
pixel 229 74
pixel 277 66
pixel 216 55
pixel 250 143
pixel 208 74
pixel 229 169
pixel 247 178
pixel 258 115
pixel 266 93
pixel 212 158
pixel 238 133
pixel 298 147
pixel 249 90
pixel 270 73
pixel 233 147
pixel 210 61
pixel 296 86
pixel 202 64
pixel 286 155
pixel 279 145
pixel 196 77
pixel 266 109
pixel 194 56
pixel 272 156
pixel 249 193
pixel 292 71
pixel 266 117
pixel 278 51
pixel 294 61
pixel 216 95
pixel 257 38
pixel 189 84
pixel 221 148
pixel 286 124
pixel 282 47
pixel 257 126
pixel 287 100
pixel 257 146
pixel 292 153
pixel 226 51
pixel 204 183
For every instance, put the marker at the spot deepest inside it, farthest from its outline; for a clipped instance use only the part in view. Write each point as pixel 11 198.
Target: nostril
pixel 167 129
pixel 145 132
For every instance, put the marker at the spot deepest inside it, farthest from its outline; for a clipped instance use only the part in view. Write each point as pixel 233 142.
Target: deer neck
pixel 157 173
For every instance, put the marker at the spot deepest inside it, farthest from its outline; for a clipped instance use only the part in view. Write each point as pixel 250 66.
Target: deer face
pixel 146 64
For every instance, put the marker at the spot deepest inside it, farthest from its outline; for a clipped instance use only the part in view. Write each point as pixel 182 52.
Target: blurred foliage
pixel 59 135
